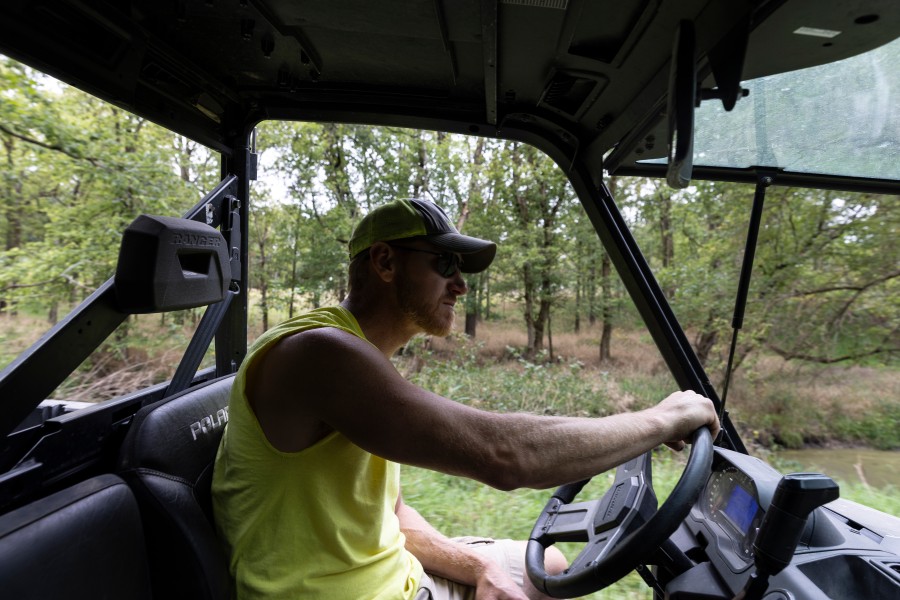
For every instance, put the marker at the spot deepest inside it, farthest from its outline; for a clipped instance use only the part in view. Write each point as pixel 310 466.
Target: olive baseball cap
pixel 421 219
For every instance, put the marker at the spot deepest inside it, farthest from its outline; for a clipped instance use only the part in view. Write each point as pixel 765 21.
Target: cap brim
pixel 477 254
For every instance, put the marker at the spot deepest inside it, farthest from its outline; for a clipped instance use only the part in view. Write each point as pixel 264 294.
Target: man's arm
pixel 332 378
pixel 448 559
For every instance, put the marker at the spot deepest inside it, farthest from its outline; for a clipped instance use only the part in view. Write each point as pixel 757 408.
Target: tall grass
pixel 773 403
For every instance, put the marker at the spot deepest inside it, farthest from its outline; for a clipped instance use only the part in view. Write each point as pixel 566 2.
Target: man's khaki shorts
pixel 509 554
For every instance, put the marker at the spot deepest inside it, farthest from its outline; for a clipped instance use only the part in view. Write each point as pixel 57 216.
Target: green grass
pixel 886 498
pixel 516 385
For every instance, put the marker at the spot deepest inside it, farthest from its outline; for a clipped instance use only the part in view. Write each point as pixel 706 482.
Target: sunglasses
pixel 447 263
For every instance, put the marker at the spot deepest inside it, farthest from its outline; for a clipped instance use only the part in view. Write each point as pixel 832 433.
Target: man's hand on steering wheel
pixel 623 528
pixel 687 411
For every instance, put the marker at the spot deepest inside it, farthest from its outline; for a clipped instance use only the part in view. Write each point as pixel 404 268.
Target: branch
pixel 64 276
pixel 22 286
pixel 74 282
pixel 54 147
pixel 789 355
pixel 847 288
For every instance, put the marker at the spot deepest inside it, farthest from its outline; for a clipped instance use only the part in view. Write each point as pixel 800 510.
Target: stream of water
pixel 878 468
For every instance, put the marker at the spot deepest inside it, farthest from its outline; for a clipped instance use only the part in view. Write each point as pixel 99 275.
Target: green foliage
pixel 788 413
pixel 823 288
pixel 535 387
pixel 878 427
pixel 76 172
pixel 646 389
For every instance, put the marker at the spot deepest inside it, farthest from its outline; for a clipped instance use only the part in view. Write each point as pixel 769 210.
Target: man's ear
pixel 384 261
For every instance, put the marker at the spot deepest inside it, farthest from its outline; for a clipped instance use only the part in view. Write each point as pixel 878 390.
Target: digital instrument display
pixel 741 508
pixel 731 501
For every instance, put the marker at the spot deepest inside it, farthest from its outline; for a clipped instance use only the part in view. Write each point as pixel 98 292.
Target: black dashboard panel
pixel 837 557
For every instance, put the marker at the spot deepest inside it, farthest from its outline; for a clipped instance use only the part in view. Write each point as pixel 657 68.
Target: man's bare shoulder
pixel 295 384
pixel 321 343
pixel 322 356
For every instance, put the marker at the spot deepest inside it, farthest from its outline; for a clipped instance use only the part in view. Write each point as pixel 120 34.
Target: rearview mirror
pixel 680 107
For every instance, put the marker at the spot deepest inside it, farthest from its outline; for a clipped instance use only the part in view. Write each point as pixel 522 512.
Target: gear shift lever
pixel 796 496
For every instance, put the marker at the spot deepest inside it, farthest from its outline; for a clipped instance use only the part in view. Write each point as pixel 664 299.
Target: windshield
pixel 836 119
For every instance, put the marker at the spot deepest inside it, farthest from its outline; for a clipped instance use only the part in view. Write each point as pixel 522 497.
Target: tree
pixel 822 282
pixel 537 195
pixel 77 171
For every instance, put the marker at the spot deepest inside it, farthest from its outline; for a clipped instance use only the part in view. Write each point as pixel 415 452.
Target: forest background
pixel 548 328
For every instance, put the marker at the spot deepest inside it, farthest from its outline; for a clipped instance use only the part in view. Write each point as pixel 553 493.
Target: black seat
pixel 167 458
pixel 84 542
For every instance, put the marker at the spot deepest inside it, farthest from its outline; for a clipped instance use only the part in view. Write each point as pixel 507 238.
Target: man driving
pixel 306 489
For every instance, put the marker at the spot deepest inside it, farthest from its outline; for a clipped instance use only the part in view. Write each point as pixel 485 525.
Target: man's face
pixel 426 297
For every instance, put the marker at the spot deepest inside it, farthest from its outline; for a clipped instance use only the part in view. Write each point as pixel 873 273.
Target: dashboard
pixel 843 552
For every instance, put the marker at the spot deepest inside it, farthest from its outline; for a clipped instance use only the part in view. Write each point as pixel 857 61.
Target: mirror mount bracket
pixel 726 59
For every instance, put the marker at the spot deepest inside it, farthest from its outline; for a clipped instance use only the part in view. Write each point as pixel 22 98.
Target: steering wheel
pixel 621 530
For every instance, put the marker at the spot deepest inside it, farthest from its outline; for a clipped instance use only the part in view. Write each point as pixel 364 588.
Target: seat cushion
pixel 83 542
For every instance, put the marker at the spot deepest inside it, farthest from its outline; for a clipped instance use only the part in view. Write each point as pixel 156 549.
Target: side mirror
pixel 680 109
pixel 168 264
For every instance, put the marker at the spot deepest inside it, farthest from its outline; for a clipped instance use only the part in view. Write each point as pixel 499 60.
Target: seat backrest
pixel 83 542
pixel 167 458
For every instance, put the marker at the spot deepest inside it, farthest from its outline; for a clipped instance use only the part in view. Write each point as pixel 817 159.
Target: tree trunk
pixel 471 305
pixel 543 320
pixel 667 237
pixel 550 339
pixel 606 290
pixel 705 341
pixel 486 295
pixel 578 286
pixel 471 324
pixel 342 285
pixel 420 184
pixel 264 305
pixel 529 311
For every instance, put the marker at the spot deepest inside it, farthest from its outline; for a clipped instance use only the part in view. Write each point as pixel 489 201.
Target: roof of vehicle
pixel 589 75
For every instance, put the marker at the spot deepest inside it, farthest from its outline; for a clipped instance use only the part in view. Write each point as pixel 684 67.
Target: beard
pixel 432 319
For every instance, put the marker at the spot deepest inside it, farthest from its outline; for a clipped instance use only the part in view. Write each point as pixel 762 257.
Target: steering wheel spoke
pixel 571 522
pixel 631 497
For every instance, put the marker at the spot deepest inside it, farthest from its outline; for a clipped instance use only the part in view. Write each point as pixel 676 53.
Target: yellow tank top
pixel 314 524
